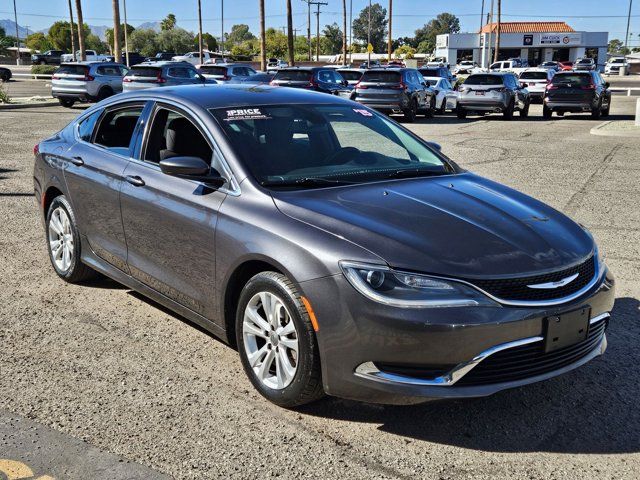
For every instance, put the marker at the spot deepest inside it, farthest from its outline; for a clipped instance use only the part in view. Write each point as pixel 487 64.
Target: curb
pixel 600 130
pixel 19 106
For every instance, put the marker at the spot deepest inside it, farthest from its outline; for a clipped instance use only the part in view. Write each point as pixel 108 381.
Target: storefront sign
pixel 560 39
pixel 527 40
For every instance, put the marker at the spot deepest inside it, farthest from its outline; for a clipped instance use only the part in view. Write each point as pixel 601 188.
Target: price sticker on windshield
pixel 246 114
pixel 363 112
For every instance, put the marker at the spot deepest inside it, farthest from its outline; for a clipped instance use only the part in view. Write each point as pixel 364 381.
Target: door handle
pixel 134 180
pixel 77 161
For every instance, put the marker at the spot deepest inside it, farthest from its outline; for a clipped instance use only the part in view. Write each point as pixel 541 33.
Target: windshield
pixel 430 72
pixel 303 146
pixel 572 78
pixel 73 70
pixel 293 75
pixel 143 72
pixel 430 82
pixel 618 60
pixel 483 80
pixel 350 74
pixel 585 60
pixel 533 76
pixel 381 76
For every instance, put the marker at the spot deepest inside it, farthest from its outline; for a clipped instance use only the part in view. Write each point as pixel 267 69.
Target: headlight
pixel 409 290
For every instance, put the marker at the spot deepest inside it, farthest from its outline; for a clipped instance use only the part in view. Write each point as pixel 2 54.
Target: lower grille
pixel 530 360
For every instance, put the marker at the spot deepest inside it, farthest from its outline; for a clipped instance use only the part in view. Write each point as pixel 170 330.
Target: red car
pixel 566 66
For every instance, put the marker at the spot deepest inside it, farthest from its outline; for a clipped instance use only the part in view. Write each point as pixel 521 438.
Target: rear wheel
pixel 5 77
pixel 66 102
pixel 607 109
pixel 431 110
pixel 276 341
pixel 508 112
pixel 461 112
pixel 546 112
pixel 105 92
pixel 63 240
pixel 597 111
pixel 411 112
pixel 524 113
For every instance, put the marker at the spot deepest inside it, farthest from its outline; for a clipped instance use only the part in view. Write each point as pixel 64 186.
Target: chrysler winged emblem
pixel 556 284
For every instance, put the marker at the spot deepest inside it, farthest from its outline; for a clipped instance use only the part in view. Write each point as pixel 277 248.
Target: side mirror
pixel 435 146
pixel 202 78
pixel 192 168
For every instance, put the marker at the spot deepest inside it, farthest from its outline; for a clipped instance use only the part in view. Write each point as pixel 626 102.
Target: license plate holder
pixel 566 329
pixel 479 92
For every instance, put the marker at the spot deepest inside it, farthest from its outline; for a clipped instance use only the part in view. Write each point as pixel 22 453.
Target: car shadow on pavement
pixel 590 410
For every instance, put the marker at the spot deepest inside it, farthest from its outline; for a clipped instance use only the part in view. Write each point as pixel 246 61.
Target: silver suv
pixel 493 92
pixel 224 72
pixel 86 82
pixel 162 74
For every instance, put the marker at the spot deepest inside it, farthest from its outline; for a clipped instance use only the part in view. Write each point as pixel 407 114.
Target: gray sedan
pixel 338 251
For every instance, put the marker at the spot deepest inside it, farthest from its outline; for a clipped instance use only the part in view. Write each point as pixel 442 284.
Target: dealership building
pixel 536 41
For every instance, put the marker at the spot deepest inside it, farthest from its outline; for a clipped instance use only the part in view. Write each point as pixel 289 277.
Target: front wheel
pixel 411 113
pixel 461 113
pixel 66 103
pixel 276 341
pixel 597 111
pixel 524 113
pixel 63 240
pixel 607 109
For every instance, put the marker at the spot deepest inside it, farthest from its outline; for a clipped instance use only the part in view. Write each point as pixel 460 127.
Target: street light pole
pixel 15 15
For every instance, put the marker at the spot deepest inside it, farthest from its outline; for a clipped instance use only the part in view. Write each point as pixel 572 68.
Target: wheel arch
pixel 49 195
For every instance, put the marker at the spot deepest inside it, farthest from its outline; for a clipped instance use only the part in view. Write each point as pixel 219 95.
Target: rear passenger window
pixel 112 71
pixel 87 125
pixel 116 129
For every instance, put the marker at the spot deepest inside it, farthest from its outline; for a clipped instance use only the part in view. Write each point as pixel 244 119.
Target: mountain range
pixel 99 30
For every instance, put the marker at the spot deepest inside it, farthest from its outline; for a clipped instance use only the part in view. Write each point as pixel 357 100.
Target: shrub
pixel 4 96
pixel 43 69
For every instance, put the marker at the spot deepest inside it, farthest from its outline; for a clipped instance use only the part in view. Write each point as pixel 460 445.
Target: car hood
pixel 456 225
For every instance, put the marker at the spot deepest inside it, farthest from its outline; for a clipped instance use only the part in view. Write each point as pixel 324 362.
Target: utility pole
pixel 481 14
pixel 292 56
pixel 126 35
pixel 344 32
pixel 496 53
pixel 490 41
pixel 15 15
pixel 350 29
pixel 626 36
pixel 263 46
pixel 222 27
pixel 390 23
pixel 73 33
pixel 318 4
pixel 369 38
pixel 83 55
pixel 200 46
pixel 117 53
pixel 308 2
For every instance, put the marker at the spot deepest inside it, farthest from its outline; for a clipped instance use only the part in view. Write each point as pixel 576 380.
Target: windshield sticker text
pixel 245 114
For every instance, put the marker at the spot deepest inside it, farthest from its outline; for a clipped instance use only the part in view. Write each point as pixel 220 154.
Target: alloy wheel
pixel 61 239
pixel 270 340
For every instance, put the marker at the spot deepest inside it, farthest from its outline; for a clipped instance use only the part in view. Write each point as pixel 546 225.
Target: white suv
pixel 614 64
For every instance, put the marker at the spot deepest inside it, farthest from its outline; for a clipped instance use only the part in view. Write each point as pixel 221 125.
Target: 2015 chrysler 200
pixel 341 253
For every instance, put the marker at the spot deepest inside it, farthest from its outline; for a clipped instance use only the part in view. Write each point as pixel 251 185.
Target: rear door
pixel 94 173
pixel 170 222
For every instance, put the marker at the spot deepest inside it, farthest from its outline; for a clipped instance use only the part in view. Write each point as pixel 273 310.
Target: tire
pixel 63 236
pixel 66 102
pixel 42 62
pixel 411 112
pixel 461 113
pixel 508 112
pixel 546 112
pixel 524 113
pixel 606 111
pixel 5 78
pixel 597 112
pixel 443 107
pixel 431 109
pixel 105 92
pixel 259 340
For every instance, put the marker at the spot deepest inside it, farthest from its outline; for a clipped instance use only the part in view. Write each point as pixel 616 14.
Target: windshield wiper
pixel 304 182
pixel 414 172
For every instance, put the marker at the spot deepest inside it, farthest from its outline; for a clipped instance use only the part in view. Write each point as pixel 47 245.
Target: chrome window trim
pixel 369 370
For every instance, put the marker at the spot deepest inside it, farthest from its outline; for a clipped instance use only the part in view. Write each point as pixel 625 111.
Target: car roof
pixel 233 95
pixel 535 69
pixel 163 63
pixel 89 64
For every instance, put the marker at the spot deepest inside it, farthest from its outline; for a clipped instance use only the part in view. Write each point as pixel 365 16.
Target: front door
pixel 94 173
pixel 170 222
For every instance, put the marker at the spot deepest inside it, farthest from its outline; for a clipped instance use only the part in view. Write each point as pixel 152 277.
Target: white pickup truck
pixel 91 55
pixel 194 58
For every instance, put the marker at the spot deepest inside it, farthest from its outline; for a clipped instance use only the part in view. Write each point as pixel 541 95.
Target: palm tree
pixel 495 55
pixel 116 29
pixel 290 34
pixel 263 40
pixel 83 56
pixel 389 41
pixel 73 34
pixel 344 32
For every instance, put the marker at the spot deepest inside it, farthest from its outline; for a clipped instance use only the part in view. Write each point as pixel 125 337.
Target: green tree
pixel 333 34
pixel 109 34
pixel 59 35
pixel 176 40
pixel 407 50
pixel 144 41
pixel 616 47
pixel 238 34
pixel 276 43
pixel 209 41
pixel 248 48
pixel 443 23
pixel 168 23
pixel 2 33
pixel 38 41
pixel 378 26
pixel 93 42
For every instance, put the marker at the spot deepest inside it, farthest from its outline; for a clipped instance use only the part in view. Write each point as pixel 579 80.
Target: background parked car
pixel 50 57
pixel 444 93
pixel 566 66
pixel 372 64
pixel 275 64
pixel 5 74
pixel 134 58
pixel 535 80
pixel 395 90
pixel 351 75
pixel 161 57
pixel 320 79
pixel 260 78
pixel 612 67
pixel 465 67
pixel 223 72
pixel 86 81
pixel 555 66
pixel 91 56
pixel 493 92
pixel 162 74
pixel 579 91
pixel 443 72
pixel 585 64
pixel 193 57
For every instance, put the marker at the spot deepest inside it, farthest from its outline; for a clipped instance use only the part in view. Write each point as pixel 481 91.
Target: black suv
pixel 50 57
pixel 395 90
pixel 583 91
pixel 161 57
pixel 320 79
pixel 134 58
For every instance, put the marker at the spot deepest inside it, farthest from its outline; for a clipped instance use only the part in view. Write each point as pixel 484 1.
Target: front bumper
pixel 358 338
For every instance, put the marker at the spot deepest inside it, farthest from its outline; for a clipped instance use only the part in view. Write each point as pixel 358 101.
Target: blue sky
pixel 408 14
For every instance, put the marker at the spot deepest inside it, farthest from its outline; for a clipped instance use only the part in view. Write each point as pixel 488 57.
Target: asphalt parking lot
pixel 97 382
